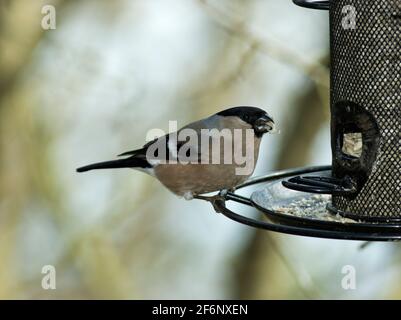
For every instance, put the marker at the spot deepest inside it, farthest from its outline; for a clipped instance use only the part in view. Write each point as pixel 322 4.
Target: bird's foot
pixel 223 193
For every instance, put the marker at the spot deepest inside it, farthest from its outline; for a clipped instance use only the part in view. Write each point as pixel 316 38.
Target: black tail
pixel 115 164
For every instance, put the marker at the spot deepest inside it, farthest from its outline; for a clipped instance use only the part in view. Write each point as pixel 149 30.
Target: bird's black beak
pixel 265 124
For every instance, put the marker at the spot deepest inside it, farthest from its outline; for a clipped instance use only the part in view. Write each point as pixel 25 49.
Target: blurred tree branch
pixel 311 112
pixel 238 27
pixel 20 32
pixel 255 271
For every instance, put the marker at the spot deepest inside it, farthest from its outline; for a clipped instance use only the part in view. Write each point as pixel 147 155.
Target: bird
pixel 195 160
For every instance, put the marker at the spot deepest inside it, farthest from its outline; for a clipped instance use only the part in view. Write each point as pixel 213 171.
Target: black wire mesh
pixel 365 69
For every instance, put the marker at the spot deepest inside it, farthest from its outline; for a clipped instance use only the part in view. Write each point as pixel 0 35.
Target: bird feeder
pixel 359 196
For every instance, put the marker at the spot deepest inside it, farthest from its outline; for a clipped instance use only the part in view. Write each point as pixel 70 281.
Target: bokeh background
pixel 94 86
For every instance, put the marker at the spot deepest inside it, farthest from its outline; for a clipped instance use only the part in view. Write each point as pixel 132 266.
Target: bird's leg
pixel 223 193
pixel 232 190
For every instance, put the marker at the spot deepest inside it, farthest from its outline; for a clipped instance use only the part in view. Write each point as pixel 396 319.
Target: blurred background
pixel 91 89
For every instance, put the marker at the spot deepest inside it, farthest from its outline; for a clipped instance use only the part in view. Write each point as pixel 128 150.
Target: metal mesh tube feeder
pixel 359 196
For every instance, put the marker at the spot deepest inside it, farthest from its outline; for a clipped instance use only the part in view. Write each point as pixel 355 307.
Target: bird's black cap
pixel 247 114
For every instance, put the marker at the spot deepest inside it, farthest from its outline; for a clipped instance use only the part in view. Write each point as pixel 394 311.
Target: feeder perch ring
pixel 272 196
pixel 313 4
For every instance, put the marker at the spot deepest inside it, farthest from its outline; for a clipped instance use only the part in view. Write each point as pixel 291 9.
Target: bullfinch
pixel 213 154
